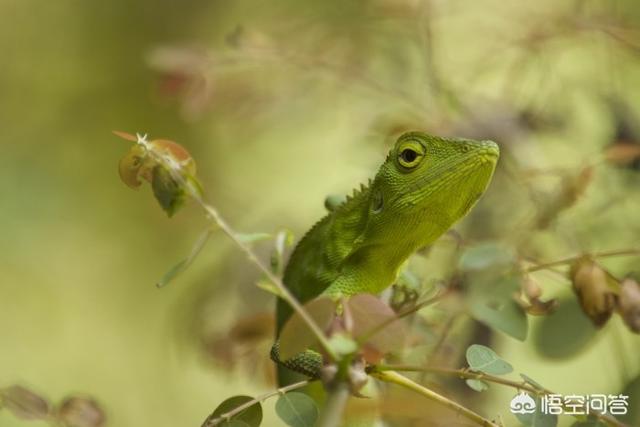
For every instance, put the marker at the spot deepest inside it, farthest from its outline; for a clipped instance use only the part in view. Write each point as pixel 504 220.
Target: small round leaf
pixel 483 359
pixel 297 409
pixel 487 255
pixel 252 416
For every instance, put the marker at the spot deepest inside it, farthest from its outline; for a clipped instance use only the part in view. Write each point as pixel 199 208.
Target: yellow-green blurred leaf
pixel 251 416
pixel 185 263
pixel 252 237
pixel 24 403
pixel 477 385
pixel 591 285
pixel 168 192
pixel 297 410
pixel 130 166
pixel 484 359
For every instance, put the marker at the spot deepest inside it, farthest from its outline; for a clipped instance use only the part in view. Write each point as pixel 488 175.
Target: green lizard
pixel 425 185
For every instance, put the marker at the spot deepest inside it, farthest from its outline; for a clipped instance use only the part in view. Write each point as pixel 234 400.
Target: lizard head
pixel 426 184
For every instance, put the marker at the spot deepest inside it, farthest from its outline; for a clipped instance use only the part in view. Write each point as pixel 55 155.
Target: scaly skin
pixel 425 185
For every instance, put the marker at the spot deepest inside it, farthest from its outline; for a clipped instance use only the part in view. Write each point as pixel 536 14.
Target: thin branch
pixel 177 174
pixel 396 378
pixel 211 422
pixel 334 407
pixel 548 265
pixel 284 292
pixel 468 374
pixel 465 374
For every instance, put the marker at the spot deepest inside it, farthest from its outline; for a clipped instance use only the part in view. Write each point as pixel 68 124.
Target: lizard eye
pixel 410 154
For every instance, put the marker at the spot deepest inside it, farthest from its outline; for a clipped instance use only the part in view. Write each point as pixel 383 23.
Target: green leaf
pixel 168 192
pixel 490 301
pixel 297 409
pixel 487 255
pixel 343 344
pixel 504 315
pixel 483 359
pixel 253 237
pixel 185 263
pixel 283 240
pixel 296 336
pixel 252 416
pixel 409 280
pixel 538 418
pixel 566 332
pixel 477 385
pixel 268 286
pixel 194 185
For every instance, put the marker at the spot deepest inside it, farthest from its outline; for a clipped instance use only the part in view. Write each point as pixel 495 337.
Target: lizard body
pixel 425 185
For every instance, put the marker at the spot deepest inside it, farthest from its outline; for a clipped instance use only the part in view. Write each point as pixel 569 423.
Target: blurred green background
pixel 282 103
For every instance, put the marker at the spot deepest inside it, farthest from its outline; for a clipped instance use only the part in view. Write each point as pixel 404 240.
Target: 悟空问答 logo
pixel 523 404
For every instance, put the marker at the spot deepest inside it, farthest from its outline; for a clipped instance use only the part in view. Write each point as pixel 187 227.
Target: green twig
pixel 548 265
pixel 395 378
pixel 178 175
pixel 211 422
pixel 284 292
pixel 334 407
pixel 468 374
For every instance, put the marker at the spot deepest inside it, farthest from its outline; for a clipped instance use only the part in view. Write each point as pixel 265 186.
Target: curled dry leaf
pixel 591 285
pixel 623 154
pixel 24 403
pixel 160 162
pixel 252 328
pixel 81 412
pixel 536 307
pixel 629 304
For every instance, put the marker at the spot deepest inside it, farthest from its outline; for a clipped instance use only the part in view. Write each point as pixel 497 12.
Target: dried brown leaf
pixel 252 328
pixel 591 285
pixel 24 403
pixel 537 307
pixel 629 304
pixel 622 153
pixel 81 412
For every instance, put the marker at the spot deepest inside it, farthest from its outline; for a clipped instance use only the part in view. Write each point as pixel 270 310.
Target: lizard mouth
pixel 489 152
